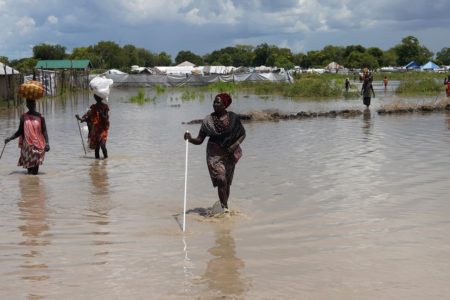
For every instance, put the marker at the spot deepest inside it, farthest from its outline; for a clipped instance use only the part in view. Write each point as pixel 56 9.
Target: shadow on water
pixel 367 121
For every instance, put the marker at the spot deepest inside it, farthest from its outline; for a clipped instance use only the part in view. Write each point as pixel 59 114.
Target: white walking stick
pixel 185 186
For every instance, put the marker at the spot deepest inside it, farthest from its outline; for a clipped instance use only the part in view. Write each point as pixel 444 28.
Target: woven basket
pixel 31 90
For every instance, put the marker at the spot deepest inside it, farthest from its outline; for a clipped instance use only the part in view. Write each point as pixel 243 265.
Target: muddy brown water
pixel 330 208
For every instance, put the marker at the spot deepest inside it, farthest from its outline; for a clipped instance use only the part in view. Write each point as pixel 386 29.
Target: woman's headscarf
pixel 225 98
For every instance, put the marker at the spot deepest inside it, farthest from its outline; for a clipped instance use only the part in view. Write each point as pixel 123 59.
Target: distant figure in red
pixel 385 82
pixel 447 86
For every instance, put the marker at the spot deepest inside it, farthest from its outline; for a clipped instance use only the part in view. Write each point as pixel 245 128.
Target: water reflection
pixel 100 204
pixel 223 271
pixel 32 207
pixel 367 122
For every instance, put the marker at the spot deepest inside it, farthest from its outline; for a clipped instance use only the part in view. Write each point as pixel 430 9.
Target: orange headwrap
pixel 225 98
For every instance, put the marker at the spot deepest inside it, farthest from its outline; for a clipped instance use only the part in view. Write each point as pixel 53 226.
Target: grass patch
pixel 427 86
pixel 140 98
pixel 160 89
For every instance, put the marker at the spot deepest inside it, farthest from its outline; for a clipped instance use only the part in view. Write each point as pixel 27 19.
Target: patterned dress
pixel 222 134
pixel 31 142
pixel 98 125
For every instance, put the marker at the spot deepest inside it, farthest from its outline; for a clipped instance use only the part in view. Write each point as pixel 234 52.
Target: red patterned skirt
pixel 30 156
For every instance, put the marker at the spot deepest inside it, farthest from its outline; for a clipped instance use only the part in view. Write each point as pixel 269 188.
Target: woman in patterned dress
pixel 33 140
pixel 98 122
pixel 225 133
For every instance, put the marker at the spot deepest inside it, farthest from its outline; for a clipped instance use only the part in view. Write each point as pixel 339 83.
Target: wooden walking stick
pixel 81 135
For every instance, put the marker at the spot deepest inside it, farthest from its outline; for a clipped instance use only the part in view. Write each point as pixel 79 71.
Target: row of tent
pixel 429 66
pixel 188 68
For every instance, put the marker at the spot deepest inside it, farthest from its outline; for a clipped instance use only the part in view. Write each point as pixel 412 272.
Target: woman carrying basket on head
pixel 33 142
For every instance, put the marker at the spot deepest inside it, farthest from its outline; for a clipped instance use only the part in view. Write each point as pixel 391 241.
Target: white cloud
pixel 52 20
pixel 26 25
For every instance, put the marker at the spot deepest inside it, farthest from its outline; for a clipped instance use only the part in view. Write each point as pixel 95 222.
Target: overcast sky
pixel 203 26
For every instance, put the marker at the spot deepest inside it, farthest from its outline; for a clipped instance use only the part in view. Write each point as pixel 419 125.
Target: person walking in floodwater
pixel 447 86
pixel 32 131
pixel 385 82
pixel 226 133
pixel 97 116
pixel 347 84
pixel 367 89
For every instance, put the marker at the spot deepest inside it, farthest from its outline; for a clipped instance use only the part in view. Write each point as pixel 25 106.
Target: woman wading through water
pixel 33 142
pixel 97 116
pixel 226 133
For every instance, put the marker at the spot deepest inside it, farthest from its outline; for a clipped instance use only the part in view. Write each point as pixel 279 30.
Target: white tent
pixel 334 66
pixel 6 70
pixel 186 64
pixel 114 71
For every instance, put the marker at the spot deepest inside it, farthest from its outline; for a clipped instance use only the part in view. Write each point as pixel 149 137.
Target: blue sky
pixel 203 26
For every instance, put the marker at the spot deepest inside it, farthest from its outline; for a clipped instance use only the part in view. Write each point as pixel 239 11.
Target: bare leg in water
pixel 104 150
pixel 33 170
pixel 223 190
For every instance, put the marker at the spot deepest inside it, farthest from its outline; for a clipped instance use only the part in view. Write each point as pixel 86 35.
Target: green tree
pixel 45 51
pixel 262 52
pixel 225 59
pixel 389 58
pixel 315 59
pixel 147 58
pixel 357 59
pixel 24 65
pixel 164 59
pixel 86 53
pixel 241 55
pixel 332 53
pixel 4 60
pixel 111 55
pixel 410 49
pixel 132 56
pixel 377 53
pixel 188 56
pixel 352 48
pixel 443 56
pixel 298 59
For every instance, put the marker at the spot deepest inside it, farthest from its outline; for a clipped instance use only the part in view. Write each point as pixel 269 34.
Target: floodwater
pixel 327 208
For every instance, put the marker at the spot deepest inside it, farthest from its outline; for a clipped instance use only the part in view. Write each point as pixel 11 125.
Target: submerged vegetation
pixel 140 97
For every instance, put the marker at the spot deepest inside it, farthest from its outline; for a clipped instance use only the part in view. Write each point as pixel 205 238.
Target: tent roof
pixel 412 64
pixel 64 64
pixel 186 64
pixel 429 66
pixel 9 70
pixel 333 65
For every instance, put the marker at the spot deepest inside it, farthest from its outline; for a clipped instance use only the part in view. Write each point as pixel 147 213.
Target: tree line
pixel 108 55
